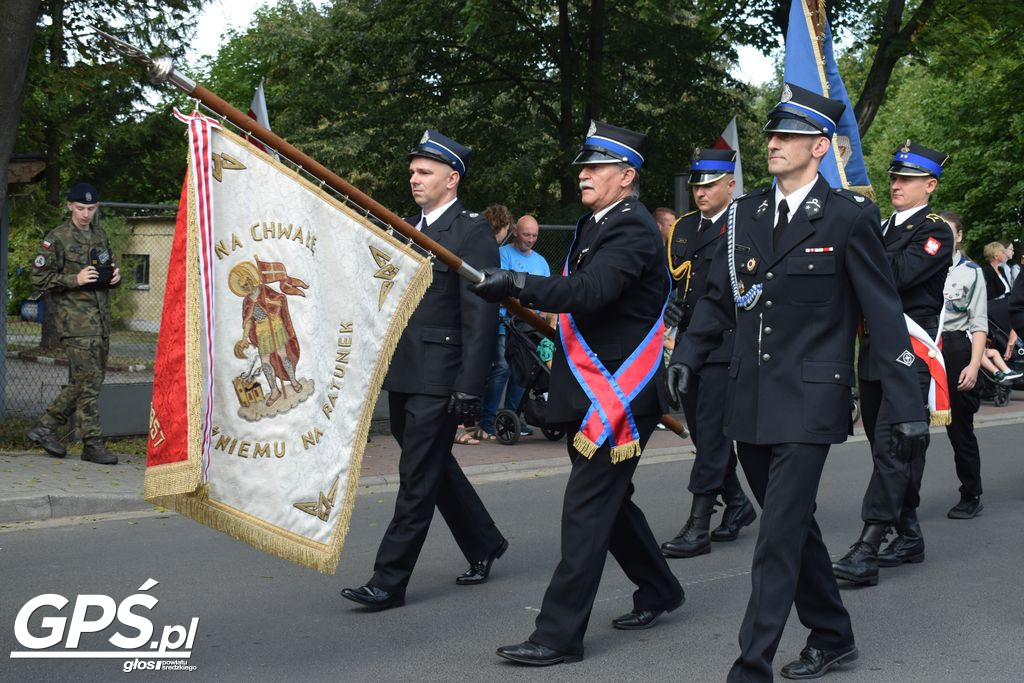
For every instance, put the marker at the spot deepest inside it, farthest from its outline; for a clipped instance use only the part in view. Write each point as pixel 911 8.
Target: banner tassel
pixel 584 445
pixel 941 418
pixel 625 451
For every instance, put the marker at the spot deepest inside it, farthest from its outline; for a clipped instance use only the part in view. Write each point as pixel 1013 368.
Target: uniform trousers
pixel 598 517
pixel 956 351
pixel 715 463
pixel 429 475
pixel 895 486
pixel 791 563
pixel 87 366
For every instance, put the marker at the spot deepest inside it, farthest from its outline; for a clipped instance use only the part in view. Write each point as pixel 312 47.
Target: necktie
pixel 781 224
pixel 705 223
pixel 888 224
pixel 421 226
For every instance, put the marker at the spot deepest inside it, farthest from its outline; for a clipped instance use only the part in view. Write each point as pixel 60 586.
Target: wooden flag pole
pixel 161 71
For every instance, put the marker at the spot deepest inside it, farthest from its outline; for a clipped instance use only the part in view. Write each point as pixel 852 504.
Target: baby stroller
pixel 989 388
pixel 530 372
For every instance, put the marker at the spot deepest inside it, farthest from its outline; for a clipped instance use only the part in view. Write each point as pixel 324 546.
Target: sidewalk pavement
pixel 35 487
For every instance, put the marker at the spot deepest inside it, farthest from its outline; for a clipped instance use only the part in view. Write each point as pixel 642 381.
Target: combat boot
pixel 908 546
pixel 47 440
pixel 739 512
pixel 693 539
pixel 860 565
pixel 96 452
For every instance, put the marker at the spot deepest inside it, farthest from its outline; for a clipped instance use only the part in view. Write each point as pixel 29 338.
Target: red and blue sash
pixel 610 416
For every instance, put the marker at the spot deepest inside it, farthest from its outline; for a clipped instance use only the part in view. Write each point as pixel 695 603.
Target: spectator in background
pixel 996 282
pixel 665 218
pixel 500 219
pixel 1008 266
pixel 519 255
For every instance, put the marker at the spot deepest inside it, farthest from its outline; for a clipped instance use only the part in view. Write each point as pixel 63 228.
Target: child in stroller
pixel 995 383
pixel 529 371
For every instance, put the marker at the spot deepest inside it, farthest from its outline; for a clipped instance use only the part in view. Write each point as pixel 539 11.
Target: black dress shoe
pixel 373 597
pixel 639 619
pixel 479 571
pixel 535 654
pixel 815 663
pixel 734 518
pixel 47 440
pixel 967 508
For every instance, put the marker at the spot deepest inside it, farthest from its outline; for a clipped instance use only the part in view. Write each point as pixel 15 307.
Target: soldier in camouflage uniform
pixel 76 265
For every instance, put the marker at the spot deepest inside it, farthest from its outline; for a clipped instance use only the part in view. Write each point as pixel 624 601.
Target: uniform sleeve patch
pixel 46 244
pixel 907 358
pixel 932 246
pixel 40 261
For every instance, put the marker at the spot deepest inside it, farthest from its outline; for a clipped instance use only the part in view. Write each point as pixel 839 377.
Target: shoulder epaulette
pixel 934 217
pixel 850 195
pixel 757 192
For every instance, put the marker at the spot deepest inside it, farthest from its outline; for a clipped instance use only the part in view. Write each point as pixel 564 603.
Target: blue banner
pixel 811 64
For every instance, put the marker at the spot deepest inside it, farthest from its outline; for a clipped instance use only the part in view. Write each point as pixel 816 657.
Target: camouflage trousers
pixel 87 365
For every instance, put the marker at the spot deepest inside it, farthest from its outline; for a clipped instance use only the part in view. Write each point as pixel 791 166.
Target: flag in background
pixel 730 139
pixel 258 111
pixel 811 64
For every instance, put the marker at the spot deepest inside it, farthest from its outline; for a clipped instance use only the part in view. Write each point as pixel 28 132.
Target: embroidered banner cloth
pixel 281 312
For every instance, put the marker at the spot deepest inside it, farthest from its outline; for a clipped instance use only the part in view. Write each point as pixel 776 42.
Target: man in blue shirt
pixel 519 255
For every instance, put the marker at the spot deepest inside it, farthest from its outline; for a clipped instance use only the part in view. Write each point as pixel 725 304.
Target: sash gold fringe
pixel 585 446
pixel 941 418
pixel 625 451
pixel 240 525
pixel 620 453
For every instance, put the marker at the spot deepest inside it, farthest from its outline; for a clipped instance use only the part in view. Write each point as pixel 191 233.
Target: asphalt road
pixel 956 617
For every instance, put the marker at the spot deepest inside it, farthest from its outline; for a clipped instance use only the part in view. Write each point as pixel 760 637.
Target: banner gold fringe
pixel 585 446
pixel 252 530
pixel 941 418
pixel 625 452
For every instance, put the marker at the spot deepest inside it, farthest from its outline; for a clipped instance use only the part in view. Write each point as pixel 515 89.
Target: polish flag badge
pixel 932 246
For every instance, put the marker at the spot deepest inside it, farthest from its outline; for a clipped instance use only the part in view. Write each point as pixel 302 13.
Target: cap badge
pixel 426 137
pixel 906 146
pixel 88 196
pixel 592 129
pixel 787 94
pixel 696 154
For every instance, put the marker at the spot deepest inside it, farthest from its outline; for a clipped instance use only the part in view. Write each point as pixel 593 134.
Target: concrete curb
pixel 44 506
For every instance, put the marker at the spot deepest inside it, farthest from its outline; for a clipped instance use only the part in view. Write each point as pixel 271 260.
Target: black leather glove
pixel 909 440
pixel 673 313
pixel 678 380
pixel 498 284
pixel 465 407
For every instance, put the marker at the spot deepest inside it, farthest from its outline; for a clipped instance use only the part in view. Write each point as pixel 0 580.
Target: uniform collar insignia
pixel 812 207
pixel 761 209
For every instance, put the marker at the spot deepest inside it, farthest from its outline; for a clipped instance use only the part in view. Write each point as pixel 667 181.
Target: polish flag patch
pixel 46 245
pixel 932 246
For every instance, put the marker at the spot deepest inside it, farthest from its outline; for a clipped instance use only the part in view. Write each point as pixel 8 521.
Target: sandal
pixel 484 435
pixel 464 437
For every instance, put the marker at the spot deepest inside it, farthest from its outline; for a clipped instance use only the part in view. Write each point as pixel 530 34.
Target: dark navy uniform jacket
pixel 689 243
pixel 448 344
pixel 792 366
pixel 616 291
pixel 919 250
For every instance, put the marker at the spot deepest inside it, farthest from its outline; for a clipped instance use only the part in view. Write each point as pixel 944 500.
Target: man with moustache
pixel 919 248
pixel 691 249
pixel 434 384
pixel 605 378
pixel 800 264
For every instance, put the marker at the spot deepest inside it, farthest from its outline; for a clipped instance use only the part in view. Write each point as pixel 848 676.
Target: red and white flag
pixel 258 112
pixel 730 139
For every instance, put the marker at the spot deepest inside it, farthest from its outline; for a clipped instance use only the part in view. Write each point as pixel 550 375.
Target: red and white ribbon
pixel 930 352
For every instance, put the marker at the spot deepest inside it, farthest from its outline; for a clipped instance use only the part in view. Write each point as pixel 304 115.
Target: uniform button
pixel 447 338
pixel 766 357
pixel 810 266
pixel 837 377
pixel 767 330
pixel 769 275
pixel 768 304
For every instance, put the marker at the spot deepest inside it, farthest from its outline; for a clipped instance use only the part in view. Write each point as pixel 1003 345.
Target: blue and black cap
pixel 608 144
pixel 803 112
pixel 83 193
pixel 917 160
pixel 709 165
pixel 435 146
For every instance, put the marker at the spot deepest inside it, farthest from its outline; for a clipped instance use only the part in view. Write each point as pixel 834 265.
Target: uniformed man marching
pixel 691 248
pixel 76 265
pixel 800 264
pixel 434 383
pixel 605 380
pixel 919 248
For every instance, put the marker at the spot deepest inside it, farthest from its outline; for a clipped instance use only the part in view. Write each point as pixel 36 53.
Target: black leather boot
pixel 908 546
pixel 860 565
pixel 739 511
pixel 96 452
pixel 693 539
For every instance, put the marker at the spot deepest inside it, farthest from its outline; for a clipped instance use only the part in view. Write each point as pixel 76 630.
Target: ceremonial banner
pixel 282 309
pixel 811 64
pixel 730 139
